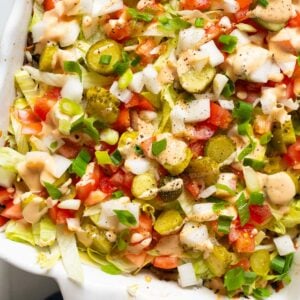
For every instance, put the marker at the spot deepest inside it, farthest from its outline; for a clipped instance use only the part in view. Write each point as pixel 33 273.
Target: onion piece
pixel 150 79
pixel 137 165
pixel 72 89
pixel 187 276
pixel 73 204
pixel 123 95
pixel 284 245
pixel 104 7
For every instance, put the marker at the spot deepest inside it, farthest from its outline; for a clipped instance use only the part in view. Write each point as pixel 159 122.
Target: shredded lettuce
pixel 37 15
pixel 44 232
pixel 292 219
pixel 186 202
pixel 69 253
pixel 21 139
pixel 48 257
pixel 121 263
pixel 9 159
pixel 19 231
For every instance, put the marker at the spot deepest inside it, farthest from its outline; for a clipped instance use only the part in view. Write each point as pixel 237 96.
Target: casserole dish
pixel 97 284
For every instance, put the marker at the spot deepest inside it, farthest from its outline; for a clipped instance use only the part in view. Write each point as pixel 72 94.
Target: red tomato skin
pixel 219 116
pixel 193 187
pixel 165 262
pixel 293 153
pixel 140 103
pixel 106 186
pixel 204 131
pixel 42 107
pixel 12 211
pixel 3 221
pixel 48 4
pixel 259 214
pixel 294 22
pixel 123 121
pixel 60 216
pixel 197 148
pixel 195 4
pixel 5 195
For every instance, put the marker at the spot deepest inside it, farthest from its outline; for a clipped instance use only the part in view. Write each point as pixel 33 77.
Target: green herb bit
pixel 229 89
pixel 116 157
pixel 117 194
pixel 256 198
pixel 52 190
pixel 105 59
pixel 229 42
pixel 199 22
pixel 80 163
pixel 73 67
pixel 138 150
pixel 257 165
pixel 140 16
pixel 263 3
pixel 224 223
pixel 243 209
pixel 125 217
pixel 158 147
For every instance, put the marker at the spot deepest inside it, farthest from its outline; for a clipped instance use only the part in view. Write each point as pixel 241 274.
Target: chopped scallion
pixel 199 22
pixel 117 194
pixel 140 16
pixel 243 209
pixel 158 147
pixel 105 59
pixel 125 217
pixel 73 67
pixel 103 158
pixel 257 165
pixel 263 3
pixel 116 157
pixel 224 223
pixel 229 42
pixel 52 190
pixel 256 198
pixel 80 163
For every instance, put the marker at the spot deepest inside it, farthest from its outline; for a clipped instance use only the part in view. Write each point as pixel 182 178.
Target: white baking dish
pixel 98 285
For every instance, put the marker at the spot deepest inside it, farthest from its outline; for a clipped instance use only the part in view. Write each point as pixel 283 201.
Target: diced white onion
pixel 73 204
pixel 284 245
pixel 204 212
pixel 211 50
pixel 38 31
pixel 225 22
pixel 177 120
pixel 219 83
pixel 61 165
pixel 208 192
pixel 242 37
pixel 73 224
pixel 104 7
pixel 287 67
pixel 137 83
pixel 197 110
pixel 72 30
pixel 187 276
pixel 227 104
pixel 252 182
pixel 262 73
pixel 289 103
pixel 188 38
pixel 231 6
pixel 72 89
pixel 150 79
pixel 123 95
pixel 137 165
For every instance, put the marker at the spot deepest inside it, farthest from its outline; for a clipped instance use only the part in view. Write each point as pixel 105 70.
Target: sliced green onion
pixel 90 129
pixel 136 61
pixel 249 277
pixel 255 164
pixel 265 138
pixel 234 279
pixel 121 67
pixel 138 150
pixel 199 22
pixel 52 190
pixel 298 60
pixel 116 157
pixel 103 158
pixel 224 223
pixel 73 67
pixel 111 269
pixel 125 217
pixel 261 293
pixel 219 205
pixel 256 198
pixel 80 163
pixel 121 240
pixel 158 147
pixel 244 128
pixel 229 89
pixel 243 111
pixel 117 194
pixel 229 42
pixel 105 59
pixel 125 79
pixel 69 107
pixel 172 24
pixel 225 188
pixel 140 16
pixel 247 150
pixel 288 262
pixel 278 264
pixel 263 3
pixel 109 136
pixel 243 209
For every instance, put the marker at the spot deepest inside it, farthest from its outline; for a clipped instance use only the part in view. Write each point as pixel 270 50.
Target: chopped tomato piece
pixel 42 107
pixel 197 148
pixel 5 195
pixel 165 262
pixel 195 4
pixel 123 121
pixel 219 116
pixel 95 197
pixel 88 183
pixel 241 14
pixel 3 221
pixel 53 93
pixel 145 224
pixel 204 131
pixel 260 214
pixel 32 129
pixel 48 4
pixel 139 102
pixel 60 216
pixel 294 22
pixel 244 3
pixel 12 211
pixel 293 153
pixel 69 149
pixel 243 263
pixel 106 186
pixel 117 30
pixel 144 50
pixel 193 187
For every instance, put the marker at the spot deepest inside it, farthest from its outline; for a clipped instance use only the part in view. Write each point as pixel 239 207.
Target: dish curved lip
pixel 143 286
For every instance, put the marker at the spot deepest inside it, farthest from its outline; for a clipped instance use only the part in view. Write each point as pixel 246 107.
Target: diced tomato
pixel 32 129
pixel 123 121
pixel 69 149
pixel 139 102
pixel 60 216
pixel 26 116
pixel 241 15
pixel 260 214
pixel 127 180
pixel 122 181
pixel 293 153
pixel 195 4
pixel 146 145
pixel 5 195
pixel 193 187
pixel 294 22
pixel 214 30
pixel 145 224
pixel 165 262
pixel 244 3
pixel 88 183
pixel 106 186
pixel 144 49
pixel 3 221
pixel 53 93
pixel 289 82
pixel 197 148
pixel 12 211
pixel 244 263
pixel 42 106
pixel 219 116
pixel 204 131
pixel 95 197
pixel 117 30
pixel 48 4
pixel 136 259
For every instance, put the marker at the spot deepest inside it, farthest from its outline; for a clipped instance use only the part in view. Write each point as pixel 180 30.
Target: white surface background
pixel 16 284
